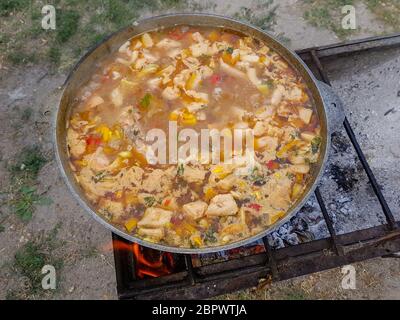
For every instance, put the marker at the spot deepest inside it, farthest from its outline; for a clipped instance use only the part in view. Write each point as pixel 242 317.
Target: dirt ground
pixel 40 221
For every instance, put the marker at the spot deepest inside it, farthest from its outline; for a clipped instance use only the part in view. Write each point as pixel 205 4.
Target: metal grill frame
pixel 288 262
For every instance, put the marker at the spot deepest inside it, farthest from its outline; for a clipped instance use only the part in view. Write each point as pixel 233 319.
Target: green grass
pixel 30 259
pixel 28 162
pixel 327 14
pixel 258 16
pixel 25 200
pixel 23 193
pixel 20 57
pixel 9 6
pixel 387 11
pixel 67 24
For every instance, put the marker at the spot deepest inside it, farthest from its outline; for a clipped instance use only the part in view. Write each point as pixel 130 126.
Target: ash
pixel 368 84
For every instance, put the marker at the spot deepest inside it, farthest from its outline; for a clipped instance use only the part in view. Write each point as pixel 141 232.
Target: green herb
pixel 181 170
pixel 209 236
pixel 229 50
pixel 145 102
pixel 270 83
pixel 99 176
pixel 290 175
pixel 315 143
pixel 149 201
pixel 256 176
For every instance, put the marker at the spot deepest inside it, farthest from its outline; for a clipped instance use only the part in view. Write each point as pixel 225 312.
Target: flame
pixel 152 263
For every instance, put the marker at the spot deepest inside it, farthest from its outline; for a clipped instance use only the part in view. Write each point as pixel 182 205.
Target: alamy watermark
pixel 205 146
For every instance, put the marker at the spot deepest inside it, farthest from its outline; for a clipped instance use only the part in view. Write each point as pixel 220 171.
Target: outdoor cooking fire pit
pixel 150 274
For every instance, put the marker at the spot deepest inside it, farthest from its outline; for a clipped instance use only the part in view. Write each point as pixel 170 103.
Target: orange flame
pixel 152 263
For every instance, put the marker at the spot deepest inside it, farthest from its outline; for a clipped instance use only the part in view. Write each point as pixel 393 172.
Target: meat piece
pixel 116 209
pixel 198 96
pixel 267 142
pixel 155 218
pixel 157 181
pixel 277 95
pixel 131 178
pixel 156 234
pixel 199 49
pixel 231 70
pixel 300 168
pixel 195 210
pixel 98 160
pixel 194 175
pixel 116 97
pixel 252 75
pixel 147 41
pixel 305 114
pixel 222 205
pixel 94 102
pixel 168 44
pixel 76 145
pixel 260 128
pixel 227 183
pixel 171 93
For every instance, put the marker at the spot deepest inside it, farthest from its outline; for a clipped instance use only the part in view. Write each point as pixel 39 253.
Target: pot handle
pixel 333 106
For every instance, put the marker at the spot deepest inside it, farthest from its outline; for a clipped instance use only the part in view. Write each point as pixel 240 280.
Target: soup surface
pixel 197 78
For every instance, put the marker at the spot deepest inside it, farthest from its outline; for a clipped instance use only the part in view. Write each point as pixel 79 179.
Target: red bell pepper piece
pixel 272 165
pixel 254 206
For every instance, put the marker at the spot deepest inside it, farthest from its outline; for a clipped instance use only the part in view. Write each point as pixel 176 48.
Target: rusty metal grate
pixel 336 250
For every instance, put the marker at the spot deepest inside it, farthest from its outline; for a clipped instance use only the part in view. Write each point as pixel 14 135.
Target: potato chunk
pixel 155 218
pixel 195 210
pixel 222 205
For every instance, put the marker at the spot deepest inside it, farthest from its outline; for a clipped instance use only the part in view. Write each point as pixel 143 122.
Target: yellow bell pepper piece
pixel 174 116
pixel 276 216
pixel 282 151
pixel 131 224
pixel 210 193
pixel 125 154
pixel 297 188
pixel 105 132
pixel 188 119
pixel 264 89
pixel 191 81
pixel 197 241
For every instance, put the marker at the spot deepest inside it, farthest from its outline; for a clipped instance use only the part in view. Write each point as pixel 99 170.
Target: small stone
pixel 70 290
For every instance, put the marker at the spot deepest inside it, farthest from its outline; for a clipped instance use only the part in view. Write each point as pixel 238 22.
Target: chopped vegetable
pixel 181 169
pixel 254 206
pixel 315 143
pixel 150 201
pixel 145 102
pixel 272 165
pixel 131 224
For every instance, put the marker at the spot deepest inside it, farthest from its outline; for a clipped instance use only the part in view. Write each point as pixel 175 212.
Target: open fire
pixel 152 263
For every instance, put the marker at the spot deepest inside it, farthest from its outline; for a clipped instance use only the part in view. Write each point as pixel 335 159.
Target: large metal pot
pixel 321 94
